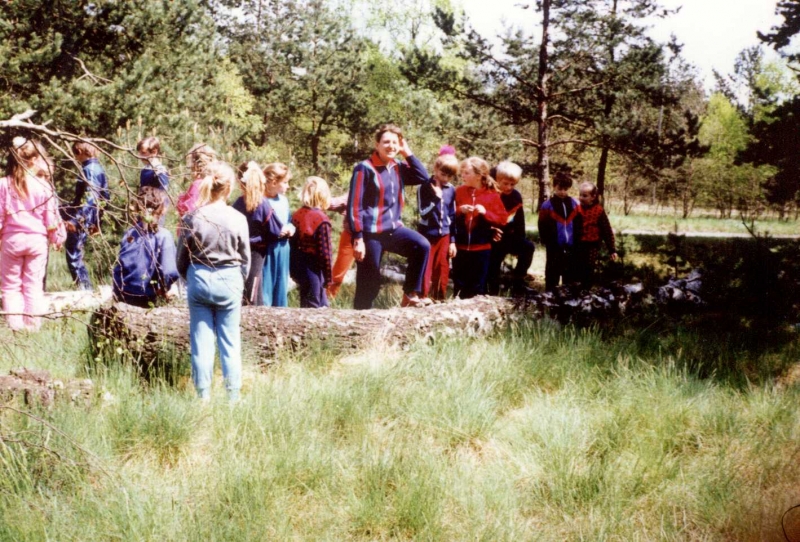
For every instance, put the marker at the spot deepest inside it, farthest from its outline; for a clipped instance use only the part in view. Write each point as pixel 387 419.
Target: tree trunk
pixel 542 97
pixel 145 333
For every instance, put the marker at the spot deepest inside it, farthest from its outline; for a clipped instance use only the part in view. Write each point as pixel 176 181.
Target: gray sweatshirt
pixel 214 235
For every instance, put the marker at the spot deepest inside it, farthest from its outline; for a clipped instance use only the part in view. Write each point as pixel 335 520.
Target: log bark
pixel 144 333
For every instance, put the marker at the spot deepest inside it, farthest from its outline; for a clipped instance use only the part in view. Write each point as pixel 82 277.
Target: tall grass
pixel 538 433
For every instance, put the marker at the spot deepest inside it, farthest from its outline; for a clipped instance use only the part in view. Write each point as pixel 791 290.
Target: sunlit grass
pixel 536 433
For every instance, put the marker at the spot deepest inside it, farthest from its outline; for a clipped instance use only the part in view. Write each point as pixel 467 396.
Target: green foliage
pixel 92 67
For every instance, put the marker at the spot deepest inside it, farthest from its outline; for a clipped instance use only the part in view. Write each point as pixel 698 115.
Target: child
pixel 592 225
pixel 344 253
pixel 214 258
pixel 28 222
pixel 82 218
pixel 311 244
pixel 276 263
pixel 199 157
pixel 145 267
pixel 437 210
pixel 556 231
pixel 514 239
pixel 262 224
pixel 154 173
pixel 478 209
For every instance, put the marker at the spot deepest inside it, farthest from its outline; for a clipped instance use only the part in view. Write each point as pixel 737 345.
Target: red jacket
pixel 474 230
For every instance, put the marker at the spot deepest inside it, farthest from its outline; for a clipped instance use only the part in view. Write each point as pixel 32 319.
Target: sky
pixel 713 31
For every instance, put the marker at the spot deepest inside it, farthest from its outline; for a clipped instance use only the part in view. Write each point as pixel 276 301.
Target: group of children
pixel 245 253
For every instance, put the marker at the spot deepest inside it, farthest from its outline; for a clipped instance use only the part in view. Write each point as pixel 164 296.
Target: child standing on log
pixel 214 258
pixel 557 232
pixel 478 209
pixel 593 227
pixel 514 239
pixel 275 278
pixel 145 268
pixel 262 224
pixel 310 262
pixel 436 202
pixel 28 222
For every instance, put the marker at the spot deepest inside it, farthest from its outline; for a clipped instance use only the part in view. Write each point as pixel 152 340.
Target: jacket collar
pixel 376 161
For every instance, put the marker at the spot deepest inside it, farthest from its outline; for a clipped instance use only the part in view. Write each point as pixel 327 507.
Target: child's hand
pixel 481 209
pixel 466 209
pixel 451 252
pixel 286 231
pixel 70 226
pixel 359 250
pixel 497 234
pixel 614 257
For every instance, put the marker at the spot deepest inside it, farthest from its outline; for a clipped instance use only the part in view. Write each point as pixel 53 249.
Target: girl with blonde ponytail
pixel 262 223
pixel 29 221
pixel 214 258
pixel 199 157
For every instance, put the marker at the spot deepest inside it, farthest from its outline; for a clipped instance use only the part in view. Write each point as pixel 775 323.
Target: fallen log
pixel 146 334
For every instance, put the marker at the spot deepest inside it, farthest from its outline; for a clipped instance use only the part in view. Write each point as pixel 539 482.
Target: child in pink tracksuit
pixel 29 220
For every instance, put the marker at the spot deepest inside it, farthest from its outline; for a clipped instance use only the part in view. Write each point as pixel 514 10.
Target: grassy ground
pixel 537 433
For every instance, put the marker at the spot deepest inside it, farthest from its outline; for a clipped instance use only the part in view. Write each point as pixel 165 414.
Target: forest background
pixel 307 81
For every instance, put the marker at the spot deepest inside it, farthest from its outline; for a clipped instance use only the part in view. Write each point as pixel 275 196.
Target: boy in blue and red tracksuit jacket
pixel 557 232
pixel 374 212
pixel 310 262
pixel 436 202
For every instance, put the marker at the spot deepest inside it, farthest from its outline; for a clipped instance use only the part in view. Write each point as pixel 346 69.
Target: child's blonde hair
pixel 23 162
pixel 217 183
pixel 253 183
pixel 150 146
pixel 447 164
pixel 316 193
pixel 199 157
pixel 589 186
pixel 277 172
pixel 85 148
pixel 509 170
pixel 479 166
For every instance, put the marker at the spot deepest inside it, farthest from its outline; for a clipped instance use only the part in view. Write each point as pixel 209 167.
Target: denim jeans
pixel 74 249
pixel 215 307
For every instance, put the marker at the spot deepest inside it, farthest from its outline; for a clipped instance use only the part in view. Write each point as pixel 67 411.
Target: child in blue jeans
pixel 214 258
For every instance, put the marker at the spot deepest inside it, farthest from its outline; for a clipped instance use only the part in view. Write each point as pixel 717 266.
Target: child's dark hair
pixel 149 146
pixel 149 206
pixel 562 179
pixel 85 148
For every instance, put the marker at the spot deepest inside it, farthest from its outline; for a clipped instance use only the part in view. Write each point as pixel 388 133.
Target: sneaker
pixel 415 301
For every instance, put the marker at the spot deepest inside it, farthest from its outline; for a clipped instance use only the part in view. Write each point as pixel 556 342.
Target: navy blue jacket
pixel 437 216
pixel 146 264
